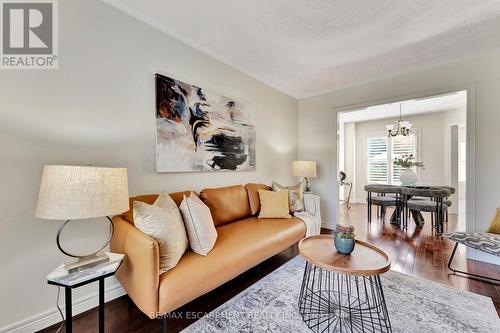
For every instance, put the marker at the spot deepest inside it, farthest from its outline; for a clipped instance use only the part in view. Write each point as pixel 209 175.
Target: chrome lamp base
pixel 307 187
pixel 86 262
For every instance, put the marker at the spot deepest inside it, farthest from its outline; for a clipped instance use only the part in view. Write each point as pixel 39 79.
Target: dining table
pixel 418 218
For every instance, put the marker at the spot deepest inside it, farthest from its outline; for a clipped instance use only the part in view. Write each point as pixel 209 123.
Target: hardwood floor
pixel 419 252
pixel 416 252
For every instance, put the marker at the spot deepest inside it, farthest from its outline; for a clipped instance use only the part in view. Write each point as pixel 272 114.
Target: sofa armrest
pixel 312 205
pixel 139 273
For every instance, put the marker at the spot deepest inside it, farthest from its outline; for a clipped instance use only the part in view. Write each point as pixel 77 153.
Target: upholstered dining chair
pixel 433 205
pixel 386 196
pixel 447 201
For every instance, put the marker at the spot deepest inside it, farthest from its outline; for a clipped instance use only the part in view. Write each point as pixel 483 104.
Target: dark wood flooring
pixel 419 252
pixel 416 252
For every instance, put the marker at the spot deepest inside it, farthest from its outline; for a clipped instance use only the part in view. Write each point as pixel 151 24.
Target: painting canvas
pixel 199 130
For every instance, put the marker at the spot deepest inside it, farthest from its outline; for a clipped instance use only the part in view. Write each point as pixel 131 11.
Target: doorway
pixel 438 138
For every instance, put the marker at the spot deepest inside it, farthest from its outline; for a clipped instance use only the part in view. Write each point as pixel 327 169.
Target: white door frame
pixel 470 195
pixel 459 125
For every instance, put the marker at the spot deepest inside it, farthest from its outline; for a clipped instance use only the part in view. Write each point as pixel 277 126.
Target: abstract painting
pixel 199 130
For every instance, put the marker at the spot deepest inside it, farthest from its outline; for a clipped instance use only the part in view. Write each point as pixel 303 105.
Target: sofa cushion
pixel 240 246
pixel 150 199
pixel 227 204
pixel 253 196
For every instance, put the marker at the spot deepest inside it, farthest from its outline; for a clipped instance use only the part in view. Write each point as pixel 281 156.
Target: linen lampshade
pixel 81 192
pixel 304 169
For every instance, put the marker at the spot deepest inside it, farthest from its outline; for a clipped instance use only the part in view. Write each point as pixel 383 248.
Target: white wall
pixel 317 124
pixel 98 108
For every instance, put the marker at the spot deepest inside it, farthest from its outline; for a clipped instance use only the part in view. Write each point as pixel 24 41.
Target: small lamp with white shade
pixel 78 193
pixel 304 170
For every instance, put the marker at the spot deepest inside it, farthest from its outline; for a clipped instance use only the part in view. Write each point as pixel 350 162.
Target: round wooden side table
pixel 343 293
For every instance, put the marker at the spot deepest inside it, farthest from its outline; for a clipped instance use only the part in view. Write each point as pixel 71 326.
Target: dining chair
pixel 386 196
pixel 434 205
pixel 447 201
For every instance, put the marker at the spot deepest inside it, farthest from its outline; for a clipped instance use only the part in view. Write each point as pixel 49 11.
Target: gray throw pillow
pixel 295 195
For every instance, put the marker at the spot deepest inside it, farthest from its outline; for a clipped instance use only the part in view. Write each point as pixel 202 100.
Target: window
pixel 377 159
pixel 401 145
pixel 381 152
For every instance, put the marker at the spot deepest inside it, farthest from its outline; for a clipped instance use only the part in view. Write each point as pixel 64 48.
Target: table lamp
pixel 304 170
pixel 79 193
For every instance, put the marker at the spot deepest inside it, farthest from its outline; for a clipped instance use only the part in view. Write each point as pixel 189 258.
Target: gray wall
pixel 98 108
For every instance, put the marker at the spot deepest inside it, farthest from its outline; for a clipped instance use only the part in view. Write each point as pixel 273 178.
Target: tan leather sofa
pixel 243 242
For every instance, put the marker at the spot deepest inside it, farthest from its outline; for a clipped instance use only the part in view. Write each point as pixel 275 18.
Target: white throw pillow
pixel 199 224
pixel 163 222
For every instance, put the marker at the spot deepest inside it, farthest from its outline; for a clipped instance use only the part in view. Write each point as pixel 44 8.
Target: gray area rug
pixel 414 305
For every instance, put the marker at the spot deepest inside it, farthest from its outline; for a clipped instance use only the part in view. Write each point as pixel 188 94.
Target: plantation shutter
pixel 401 145
pixel 381 152
pixel 377 162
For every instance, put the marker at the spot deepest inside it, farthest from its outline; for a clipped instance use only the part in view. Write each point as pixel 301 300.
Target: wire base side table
pixel 341 293
pixel 332 302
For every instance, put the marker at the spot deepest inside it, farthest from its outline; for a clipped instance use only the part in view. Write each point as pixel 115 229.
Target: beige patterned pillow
pixel 199 224
pixel 295 195
pixel 162 221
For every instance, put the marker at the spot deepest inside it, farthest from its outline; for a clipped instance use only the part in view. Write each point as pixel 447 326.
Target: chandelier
pixel 404 126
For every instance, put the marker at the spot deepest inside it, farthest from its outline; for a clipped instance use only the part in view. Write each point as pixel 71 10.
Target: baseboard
pixel 51 317
pixel 481 256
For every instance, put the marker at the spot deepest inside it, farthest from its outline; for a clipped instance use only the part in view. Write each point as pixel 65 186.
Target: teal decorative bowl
pixel 344 245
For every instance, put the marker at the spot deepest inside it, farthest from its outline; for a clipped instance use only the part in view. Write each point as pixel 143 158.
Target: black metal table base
pixel 417 216
pixel 65 283
pixel 69 306
pixel 334 302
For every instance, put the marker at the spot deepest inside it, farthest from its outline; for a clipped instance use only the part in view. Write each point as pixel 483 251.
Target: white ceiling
pixel 308 47
pixel 454 101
